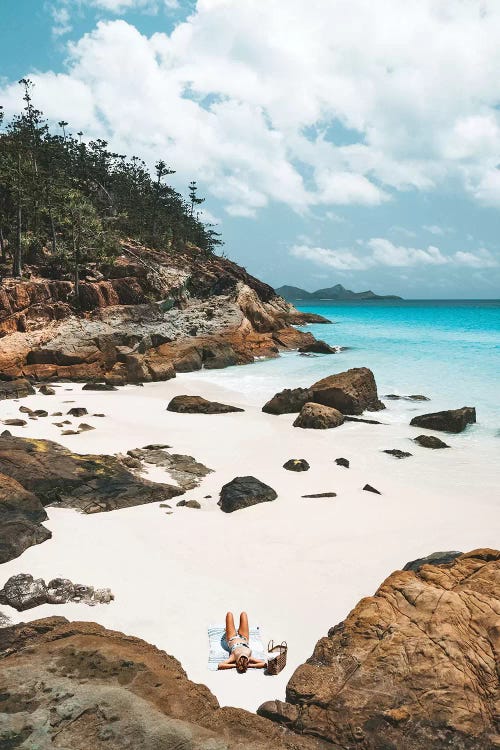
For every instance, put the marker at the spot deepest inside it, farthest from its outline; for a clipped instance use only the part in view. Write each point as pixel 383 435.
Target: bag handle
pixel 283 646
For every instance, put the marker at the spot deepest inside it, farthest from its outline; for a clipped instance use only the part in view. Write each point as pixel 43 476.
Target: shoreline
pixel 303 564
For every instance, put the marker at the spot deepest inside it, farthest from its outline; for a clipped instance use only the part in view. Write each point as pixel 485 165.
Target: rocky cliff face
pixel 145 318
pixel 414 667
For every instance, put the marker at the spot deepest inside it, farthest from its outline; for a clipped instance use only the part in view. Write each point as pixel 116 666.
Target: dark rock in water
pixel 99 387
pixel 56 414
pixel 6 433
pixel 46 390
pixel 84 427
pixel 430 441
pixel 369 488
pixel 193 504
pixel 296 464
pixel 98 415
pixel 322 494
pixel 307 354
pixel 23 592
pixel 436 558
pixel 362 687
pixel 289 401
pixel 360 419
pixel 181 503
pixel 350 392
pixel 15 422
pixel 452 420
pixel 317 347
pixel 70 432
pixel 15 389
pixel 25 410
pixel 318 417
pixel 242 492
pixel 77 411
pixel 342 462
pixel 155 446
pixel 414 397
pixel 397 453
pixel 199 405
pixel 40 413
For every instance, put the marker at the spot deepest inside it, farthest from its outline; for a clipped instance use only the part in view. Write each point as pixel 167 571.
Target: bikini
pixel 242 642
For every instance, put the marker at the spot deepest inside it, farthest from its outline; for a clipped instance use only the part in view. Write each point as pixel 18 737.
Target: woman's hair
pixel 242 664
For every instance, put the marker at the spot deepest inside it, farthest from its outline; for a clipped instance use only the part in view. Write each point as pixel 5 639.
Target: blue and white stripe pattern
pixel 219 650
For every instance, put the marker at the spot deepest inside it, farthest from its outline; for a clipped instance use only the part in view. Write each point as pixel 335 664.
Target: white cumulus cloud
pixel 307 102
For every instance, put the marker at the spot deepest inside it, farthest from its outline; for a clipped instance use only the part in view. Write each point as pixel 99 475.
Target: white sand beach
pixel 297 566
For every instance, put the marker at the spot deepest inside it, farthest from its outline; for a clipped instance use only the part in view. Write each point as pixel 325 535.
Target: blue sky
pixel 334 141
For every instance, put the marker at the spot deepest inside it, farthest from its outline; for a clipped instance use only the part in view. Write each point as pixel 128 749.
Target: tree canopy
pixel 71 200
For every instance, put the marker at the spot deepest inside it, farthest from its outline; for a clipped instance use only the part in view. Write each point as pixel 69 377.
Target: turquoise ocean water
pixel 447 350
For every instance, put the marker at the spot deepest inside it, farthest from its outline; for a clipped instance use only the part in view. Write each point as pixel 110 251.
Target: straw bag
pixel 278 662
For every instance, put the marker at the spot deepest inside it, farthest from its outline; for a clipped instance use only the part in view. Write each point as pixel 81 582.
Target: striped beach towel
pixel 218 648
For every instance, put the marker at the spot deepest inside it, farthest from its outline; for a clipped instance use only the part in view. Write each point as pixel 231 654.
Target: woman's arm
pixel 226 665
pixel 256 664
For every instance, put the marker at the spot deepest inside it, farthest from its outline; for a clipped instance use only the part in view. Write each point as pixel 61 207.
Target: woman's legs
pixel 243 629
pixel 230 628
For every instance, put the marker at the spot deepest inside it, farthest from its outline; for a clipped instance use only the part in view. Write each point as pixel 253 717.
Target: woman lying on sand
pixel 238 645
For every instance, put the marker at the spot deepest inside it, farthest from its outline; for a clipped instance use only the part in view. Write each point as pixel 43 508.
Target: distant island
pixel 337 292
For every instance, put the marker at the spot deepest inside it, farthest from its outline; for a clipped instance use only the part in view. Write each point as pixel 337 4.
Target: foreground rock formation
pixel 199 405
pixel 452 420
pixel 37 473
pixel 414 667
pixel 150 315
pixel 77 685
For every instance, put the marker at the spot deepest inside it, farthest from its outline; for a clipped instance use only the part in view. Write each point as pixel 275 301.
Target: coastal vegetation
pixel 66 201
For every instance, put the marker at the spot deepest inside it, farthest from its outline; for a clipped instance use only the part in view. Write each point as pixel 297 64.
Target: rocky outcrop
pixel 430 441
pixel 243 492
pixel 199 405
pixel 38 473
pixel 350 392
pixel 77 685
pixel 88 483
pixel 21 516
pixel 342 462
pixel 413 397
pixel 22 592
pixel 317 417
pixel 183 469
pixel 413 667
pixel 452 420
pixel 289 401
pixel 155 314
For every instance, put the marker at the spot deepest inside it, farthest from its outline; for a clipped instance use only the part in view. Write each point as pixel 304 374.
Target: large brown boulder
pixel 451 420
pixel 350 392
pixel 318 417
pixel 288 401
pixel 78 685
pixel 199 405
pixel 413 667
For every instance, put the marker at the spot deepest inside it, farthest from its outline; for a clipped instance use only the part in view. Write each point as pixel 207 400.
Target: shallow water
pixel 446 350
